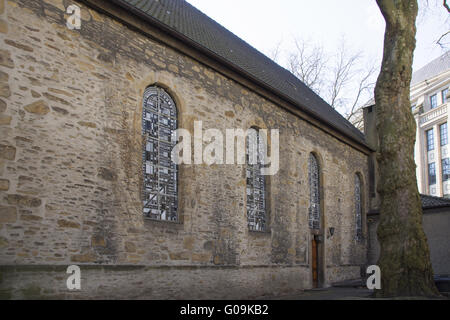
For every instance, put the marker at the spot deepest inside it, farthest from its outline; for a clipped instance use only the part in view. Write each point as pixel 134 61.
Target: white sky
pixel 263 24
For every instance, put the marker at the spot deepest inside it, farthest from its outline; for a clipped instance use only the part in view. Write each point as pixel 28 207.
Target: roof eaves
pixel 174 33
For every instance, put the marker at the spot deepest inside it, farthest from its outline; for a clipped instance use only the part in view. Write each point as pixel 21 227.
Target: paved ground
pixel 332 293
pixel 350 290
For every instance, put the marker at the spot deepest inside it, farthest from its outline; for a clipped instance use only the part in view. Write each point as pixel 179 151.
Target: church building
pixel 89 110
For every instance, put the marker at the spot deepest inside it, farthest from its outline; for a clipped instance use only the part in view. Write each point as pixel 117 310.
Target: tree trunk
pixel 404 257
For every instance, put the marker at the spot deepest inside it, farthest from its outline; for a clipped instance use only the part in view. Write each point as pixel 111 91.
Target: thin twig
pixel 446 5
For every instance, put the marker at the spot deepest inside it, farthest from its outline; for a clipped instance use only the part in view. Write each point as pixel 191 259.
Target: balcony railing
pixel 433 114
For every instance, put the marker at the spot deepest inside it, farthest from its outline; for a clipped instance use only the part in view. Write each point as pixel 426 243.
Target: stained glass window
pixel 314 192
pixel 256 182
pixel 358 206
pixel 159 122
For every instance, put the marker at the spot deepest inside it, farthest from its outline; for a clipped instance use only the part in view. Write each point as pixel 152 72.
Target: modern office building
pixel 429 103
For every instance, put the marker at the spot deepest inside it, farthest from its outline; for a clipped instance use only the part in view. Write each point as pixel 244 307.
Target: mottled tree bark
pixel 404 257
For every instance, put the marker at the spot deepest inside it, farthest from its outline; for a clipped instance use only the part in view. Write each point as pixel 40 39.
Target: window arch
pixel 256 182
pixel 314 192
pixel 358 206
pixel 159 122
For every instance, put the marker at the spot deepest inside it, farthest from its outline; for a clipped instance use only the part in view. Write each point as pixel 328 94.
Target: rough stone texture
pixel 193 282
pixel 5 120
pixel 2 106
pixel 39 107
pixel 8 214
pixel 5 59
pixel 7 152
pixel 4 185
pixel 74 166
pixel 4 85
pixel 3 27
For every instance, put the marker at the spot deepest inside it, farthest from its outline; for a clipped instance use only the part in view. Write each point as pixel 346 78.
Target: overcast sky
pixel 263 24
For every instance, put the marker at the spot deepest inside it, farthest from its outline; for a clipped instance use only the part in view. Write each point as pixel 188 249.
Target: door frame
pixel 318 239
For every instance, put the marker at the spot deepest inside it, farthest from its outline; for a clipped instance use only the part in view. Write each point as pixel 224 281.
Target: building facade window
pixel 314 192
pixel 433 101
pixel 358 207
pixel 444 95
pixel 430 140
pixel 444 134
pixel 431 173
pixel 256 182
pixel 159 122
pixel 445 169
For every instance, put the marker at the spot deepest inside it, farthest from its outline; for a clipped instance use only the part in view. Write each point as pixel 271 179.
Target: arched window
pixel 358 206
pixel 314 192
pixel 256 182
pixel 159 122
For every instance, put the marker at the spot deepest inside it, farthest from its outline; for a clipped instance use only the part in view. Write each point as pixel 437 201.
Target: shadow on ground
pixel 348 290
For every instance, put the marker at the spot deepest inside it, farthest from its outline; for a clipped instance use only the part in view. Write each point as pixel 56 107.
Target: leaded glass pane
pixel 159 123
pixel 314 193
pixel 358 207
pixel 256 189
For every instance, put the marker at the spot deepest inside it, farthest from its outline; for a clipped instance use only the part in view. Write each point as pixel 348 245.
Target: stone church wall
pixel 71 172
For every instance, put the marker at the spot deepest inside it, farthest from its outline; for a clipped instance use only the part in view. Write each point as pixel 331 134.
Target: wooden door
pixel 315 264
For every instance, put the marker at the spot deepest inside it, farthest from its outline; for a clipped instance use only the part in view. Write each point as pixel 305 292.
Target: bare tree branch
pixel 342 74
pixel 343 84
pixel 275 52
pixel 446 5
pixel 366 84
pixel 431 10
pixel 442 45
pixel 308 64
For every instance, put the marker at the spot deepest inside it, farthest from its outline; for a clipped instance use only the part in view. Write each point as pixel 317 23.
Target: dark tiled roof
pixel 432 69
pixel 429 202
pixel 182 19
